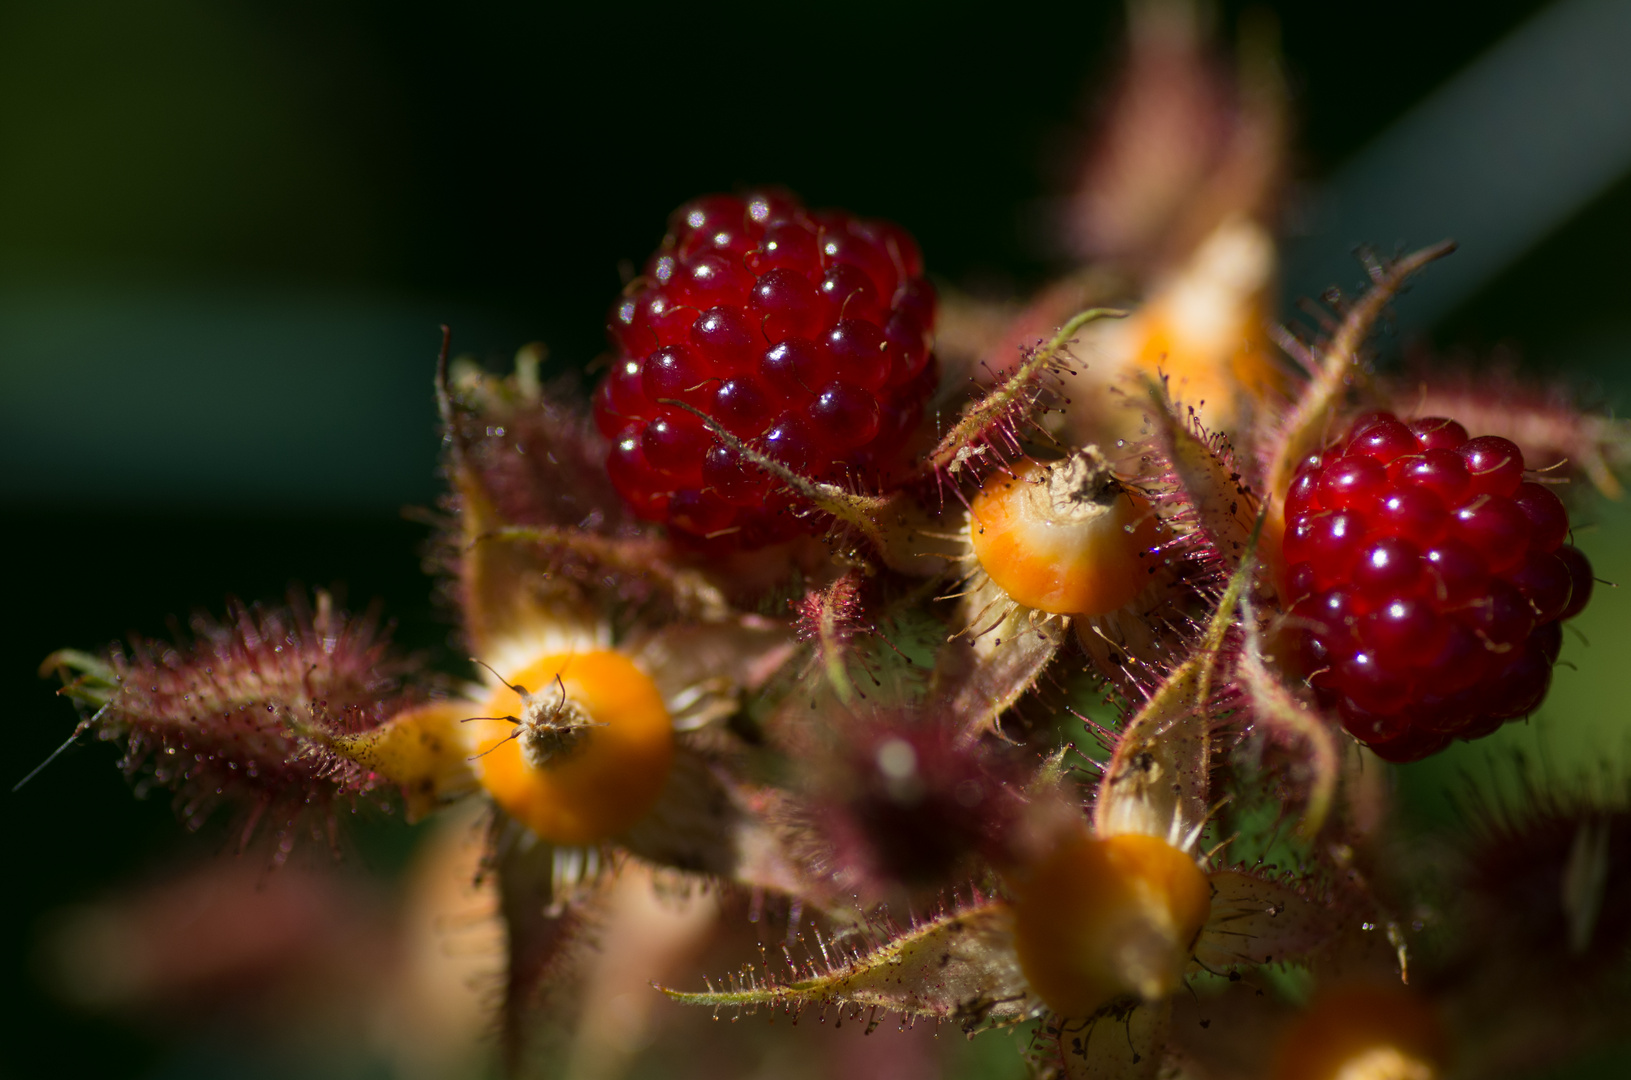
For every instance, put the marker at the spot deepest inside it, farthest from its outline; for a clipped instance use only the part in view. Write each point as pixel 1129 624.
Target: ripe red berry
pixel 805 334
pixel 1429 580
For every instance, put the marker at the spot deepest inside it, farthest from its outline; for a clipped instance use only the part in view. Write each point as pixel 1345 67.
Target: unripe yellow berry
pixel 1097 919
pixel 1063 537
pixel 591 751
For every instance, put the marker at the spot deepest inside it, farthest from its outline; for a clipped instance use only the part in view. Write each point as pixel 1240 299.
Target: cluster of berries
pixel 803 333
pixel 1430 580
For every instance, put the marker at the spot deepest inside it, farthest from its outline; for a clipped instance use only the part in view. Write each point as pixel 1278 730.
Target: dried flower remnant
pixel 1204 328
pixel 589 751
pixel 1097 919
pixel 1060 545
pixel 587 745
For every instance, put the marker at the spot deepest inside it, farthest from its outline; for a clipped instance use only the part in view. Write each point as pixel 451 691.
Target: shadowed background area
pixel 229 233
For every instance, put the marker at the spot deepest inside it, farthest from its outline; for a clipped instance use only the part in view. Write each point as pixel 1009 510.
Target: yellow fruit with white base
pixel 1063 537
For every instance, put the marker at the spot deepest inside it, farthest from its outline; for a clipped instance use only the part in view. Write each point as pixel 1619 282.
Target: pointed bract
pixel 989 429
pixel 957 967
pixel 1158 779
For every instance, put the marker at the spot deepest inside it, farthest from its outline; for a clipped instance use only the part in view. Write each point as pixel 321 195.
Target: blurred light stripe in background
pixel 125 396
pixel 1497 158
pixel 120 392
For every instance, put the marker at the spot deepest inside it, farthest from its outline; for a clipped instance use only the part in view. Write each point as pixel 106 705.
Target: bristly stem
pixel 1305 427
pixel 1275 706
pixel 989 410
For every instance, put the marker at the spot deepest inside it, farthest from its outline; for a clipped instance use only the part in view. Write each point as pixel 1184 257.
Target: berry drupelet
pixel 803 333
pixel 1429 580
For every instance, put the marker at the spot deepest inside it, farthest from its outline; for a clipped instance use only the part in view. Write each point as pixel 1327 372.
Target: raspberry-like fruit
pixel 1429 581
pixel 803 333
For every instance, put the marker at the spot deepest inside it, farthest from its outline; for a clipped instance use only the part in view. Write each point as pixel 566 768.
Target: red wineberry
pixel 1437 433
pixel 1494 527
pixel 1443 472
pixel 803 334
pixel 672 372
pixel 1383 439
pixel 1548 520
pixel 786 305
pixel 1495 464
pixel 1350 482
pixel 1428 581
pixel 1545 582
pixel 737 481
pixel 1581 578
pixel 1413 514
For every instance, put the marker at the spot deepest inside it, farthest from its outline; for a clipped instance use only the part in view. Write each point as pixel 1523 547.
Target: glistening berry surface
pixel 1429 580
pixel 803 333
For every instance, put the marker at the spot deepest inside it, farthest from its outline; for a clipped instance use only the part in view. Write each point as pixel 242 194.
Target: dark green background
pixel 228 233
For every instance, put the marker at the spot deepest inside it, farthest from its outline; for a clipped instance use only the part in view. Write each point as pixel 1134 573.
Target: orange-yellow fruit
pixel 1364 1032
pixel 1206 329
pixel 1063 537
pixel 1226 368
pixel 615 766
pixel 1097 919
